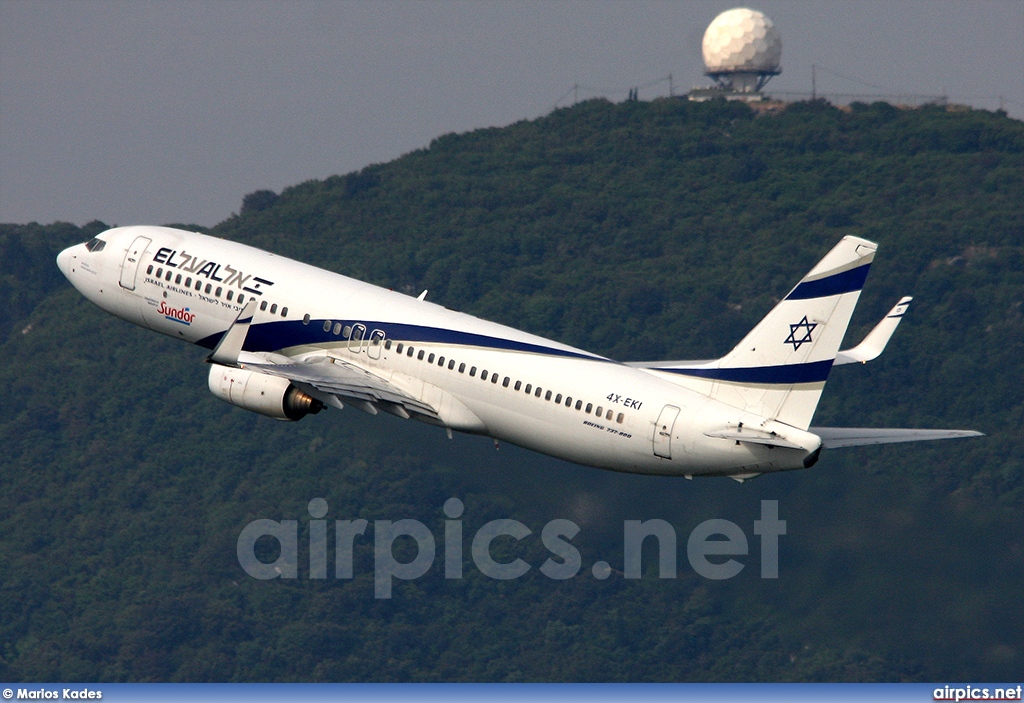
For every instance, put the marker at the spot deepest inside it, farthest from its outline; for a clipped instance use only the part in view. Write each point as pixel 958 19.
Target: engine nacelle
pixel 267 395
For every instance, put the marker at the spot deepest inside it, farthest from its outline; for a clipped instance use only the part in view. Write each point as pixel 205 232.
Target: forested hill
pixel 600 219
pixel 639 230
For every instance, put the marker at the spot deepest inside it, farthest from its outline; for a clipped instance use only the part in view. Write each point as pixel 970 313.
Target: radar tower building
pixel 742 50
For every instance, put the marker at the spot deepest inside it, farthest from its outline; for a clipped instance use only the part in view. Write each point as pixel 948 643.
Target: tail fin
pixel 779 369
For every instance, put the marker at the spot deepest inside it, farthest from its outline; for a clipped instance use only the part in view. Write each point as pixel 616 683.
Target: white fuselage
pixel 580 407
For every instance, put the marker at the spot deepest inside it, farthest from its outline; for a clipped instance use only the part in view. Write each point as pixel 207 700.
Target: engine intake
pixel 261 393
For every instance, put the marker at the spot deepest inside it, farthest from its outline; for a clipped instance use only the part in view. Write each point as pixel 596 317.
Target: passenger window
pixel 494 378
pixel 305 318
pixel 231 294
pixel 609 415
pixel 160 272
pixel 241 298
pixel 221 290
pixel 273 308
pixel 504 384
pixel 409 353
pixel 177 279
pixel 619 418
pixel 462 368
pixel 599 411
pixel 558 399
pixel 430 359
pixel 387 344
pixel 337 328
pixel 537 392
pixel 400 348
pixel 327 325
pixel 579 404
pixel 547 396
pixel 568 402
pixel 590 406
pixel 529 388
pixel 188 282
pixel 440 362
pixel 149 270
pixel 199 284
pixel 483 375
pixel 347 332
pixel 451 364
pixel 284 312
pixel 263 305
pixel 519 384
pixel 168 276
pixel 472 371
pixel 420 355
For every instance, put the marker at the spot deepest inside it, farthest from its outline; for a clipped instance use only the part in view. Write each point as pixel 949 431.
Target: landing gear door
pixel 130 265
pixel 663 431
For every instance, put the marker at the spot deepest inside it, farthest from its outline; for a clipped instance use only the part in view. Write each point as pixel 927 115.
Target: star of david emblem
pixel 795 330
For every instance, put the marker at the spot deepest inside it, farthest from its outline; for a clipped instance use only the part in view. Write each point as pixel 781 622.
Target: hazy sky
pixel 172 110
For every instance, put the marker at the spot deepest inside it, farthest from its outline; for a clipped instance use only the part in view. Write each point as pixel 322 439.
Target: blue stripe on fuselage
pixel 845 282
pixel 274 336
pixel 811 372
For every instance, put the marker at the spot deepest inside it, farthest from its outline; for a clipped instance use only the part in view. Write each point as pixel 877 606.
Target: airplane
pixel 288 339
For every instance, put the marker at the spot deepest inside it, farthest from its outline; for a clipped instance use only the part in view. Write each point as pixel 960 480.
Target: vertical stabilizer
pixel 779 369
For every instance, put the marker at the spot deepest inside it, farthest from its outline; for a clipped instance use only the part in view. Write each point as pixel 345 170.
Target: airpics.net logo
pixel 712 547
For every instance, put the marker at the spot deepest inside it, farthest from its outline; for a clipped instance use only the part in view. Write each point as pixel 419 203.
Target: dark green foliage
pixel 28 271
pixel 637 230
pixel 258 200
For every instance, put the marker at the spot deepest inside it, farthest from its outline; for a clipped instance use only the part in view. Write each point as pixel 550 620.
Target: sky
pixel 170 111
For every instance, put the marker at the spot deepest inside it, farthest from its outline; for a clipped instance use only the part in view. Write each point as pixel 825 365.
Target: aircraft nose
pixel 64 261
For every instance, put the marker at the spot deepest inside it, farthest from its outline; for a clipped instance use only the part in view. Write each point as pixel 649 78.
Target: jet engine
pixel 261 393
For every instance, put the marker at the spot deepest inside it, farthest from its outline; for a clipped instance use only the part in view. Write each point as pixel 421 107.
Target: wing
pixel 874 344
pixel 327 376
pixel 332 375
pixel 835 437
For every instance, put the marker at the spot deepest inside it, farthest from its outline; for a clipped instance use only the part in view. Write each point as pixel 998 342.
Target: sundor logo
pixel 181 315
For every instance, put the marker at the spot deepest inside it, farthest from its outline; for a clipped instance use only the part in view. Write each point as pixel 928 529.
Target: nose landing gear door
pixel 130 265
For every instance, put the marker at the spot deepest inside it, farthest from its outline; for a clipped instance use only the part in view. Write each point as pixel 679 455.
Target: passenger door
pixel 130 265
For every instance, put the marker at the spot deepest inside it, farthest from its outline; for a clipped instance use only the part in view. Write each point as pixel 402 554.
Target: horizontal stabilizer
pixel 751 436
pixel 874 344
pixel 835 437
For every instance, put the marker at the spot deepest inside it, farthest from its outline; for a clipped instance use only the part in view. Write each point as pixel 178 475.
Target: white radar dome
pixel 742 41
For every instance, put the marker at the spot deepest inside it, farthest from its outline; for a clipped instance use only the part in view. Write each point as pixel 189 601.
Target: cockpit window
pixel 95 244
